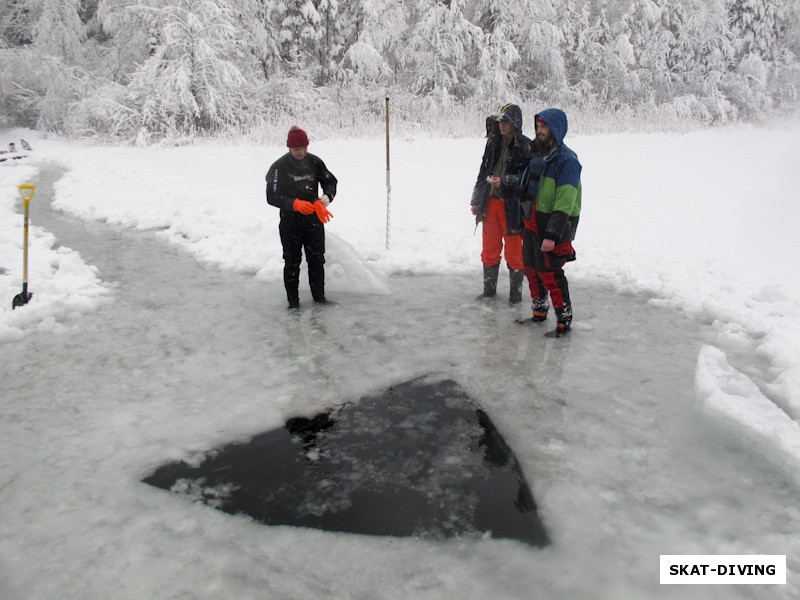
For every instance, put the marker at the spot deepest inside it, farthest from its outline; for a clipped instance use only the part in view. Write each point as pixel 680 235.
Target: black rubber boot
pixel 291 281
pixel 490 275
pixel 316 280
pixel 515 292
pixel 293 297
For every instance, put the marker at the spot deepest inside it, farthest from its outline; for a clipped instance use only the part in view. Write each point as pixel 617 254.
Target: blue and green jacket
pixel 558 195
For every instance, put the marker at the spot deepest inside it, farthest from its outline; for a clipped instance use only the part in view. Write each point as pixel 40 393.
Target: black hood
pixel 511 113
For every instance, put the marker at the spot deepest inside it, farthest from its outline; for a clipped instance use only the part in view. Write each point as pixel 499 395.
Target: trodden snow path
pixel 187 358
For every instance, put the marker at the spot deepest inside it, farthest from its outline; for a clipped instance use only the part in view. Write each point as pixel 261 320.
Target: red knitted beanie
pixel 297 138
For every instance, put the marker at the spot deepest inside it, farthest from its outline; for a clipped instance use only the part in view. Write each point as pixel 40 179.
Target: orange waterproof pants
pixel 496 240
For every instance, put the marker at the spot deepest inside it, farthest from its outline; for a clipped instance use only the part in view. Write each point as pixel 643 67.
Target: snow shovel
pixel 26 191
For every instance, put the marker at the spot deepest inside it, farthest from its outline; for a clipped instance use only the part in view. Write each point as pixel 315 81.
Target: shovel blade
pixel 21 299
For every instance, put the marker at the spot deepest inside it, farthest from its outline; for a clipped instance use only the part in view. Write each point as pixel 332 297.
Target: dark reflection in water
pixel 419 460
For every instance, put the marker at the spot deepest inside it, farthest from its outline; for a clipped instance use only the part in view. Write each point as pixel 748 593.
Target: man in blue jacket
pixel 548 234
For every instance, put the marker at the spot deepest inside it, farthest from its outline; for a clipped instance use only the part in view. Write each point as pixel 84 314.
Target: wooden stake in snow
pixel 388 180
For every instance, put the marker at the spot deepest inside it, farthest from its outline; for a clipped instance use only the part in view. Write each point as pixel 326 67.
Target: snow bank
pixel 732 399
pixel 63 285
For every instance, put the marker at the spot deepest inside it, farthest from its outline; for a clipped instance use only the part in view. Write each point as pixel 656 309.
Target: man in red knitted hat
pixel 293 183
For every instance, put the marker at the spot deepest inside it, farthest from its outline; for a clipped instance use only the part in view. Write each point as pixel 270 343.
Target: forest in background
pixel 147 71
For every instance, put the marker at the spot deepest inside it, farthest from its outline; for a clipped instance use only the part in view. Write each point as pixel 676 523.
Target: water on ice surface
pixel 189 358
pixel 420 460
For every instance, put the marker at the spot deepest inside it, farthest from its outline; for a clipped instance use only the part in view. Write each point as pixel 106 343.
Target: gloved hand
pixel 325 200
pixel 474 208
pixel 323 214
pixel 303 206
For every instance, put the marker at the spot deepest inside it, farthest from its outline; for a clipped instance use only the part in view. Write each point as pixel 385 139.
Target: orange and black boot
pixel 540 307
pixel 563 320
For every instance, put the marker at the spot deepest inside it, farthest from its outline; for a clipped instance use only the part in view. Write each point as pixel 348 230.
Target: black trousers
pixel 298 233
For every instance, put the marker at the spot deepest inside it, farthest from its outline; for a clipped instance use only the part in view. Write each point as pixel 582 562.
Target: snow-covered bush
pixel 37 90
pixel 22 82
pixel 103 115
pixel 691 108
pixel 364 64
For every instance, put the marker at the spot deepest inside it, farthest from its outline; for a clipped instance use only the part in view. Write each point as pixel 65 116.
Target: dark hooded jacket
pixel 558 195
pixel 519 152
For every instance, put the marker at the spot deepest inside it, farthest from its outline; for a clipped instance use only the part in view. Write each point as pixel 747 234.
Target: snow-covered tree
pixel 329 47
pixel 713 56
pixel 24 74
pixel 299 33
pixel 191 84
pixel 182 66
pixel 16 23
pixel 757 25
pixel 765 35
pixel 260 34
pixel 382 25
pixel 575 28
pixel 442 46
pixel 540 41
pixel 496 76
pixel 364 65
pixel 601 62
pixel 59 30
pixel 135 30
pixel 487 14
pixel 651 43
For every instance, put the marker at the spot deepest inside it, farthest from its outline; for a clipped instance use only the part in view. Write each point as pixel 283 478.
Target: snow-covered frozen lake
pixel 622 463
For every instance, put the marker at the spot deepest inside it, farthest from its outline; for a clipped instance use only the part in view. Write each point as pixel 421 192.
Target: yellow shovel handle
pixel 26 191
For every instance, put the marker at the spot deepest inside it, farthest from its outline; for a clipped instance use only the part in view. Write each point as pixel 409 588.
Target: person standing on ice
pixel 293 183
pixel 495 200
pixel 552 184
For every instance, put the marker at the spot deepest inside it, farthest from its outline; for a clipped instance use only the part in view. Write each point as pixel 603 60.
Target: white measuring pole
pixel 388 180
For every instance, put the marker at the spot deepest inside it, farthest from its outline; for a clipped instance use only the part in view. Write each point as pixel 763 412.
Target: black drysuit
pixel 289 179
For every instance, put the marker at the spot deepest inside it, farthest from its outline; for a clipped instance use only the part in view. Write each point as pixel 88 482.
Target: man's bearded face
pixel 544 138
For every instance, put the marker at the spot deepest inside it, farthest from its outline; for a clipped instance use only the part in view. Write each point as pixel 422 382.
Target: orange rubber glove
pixel 303 206
pixel 323 214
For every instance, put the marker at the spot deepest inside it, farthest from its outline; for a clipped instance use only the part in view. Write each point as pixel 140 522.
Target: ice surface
pixel 164 358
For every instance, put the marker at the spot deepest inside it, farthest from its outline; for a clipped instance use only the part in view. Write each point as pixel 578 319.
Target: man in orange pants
pixel 495 200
